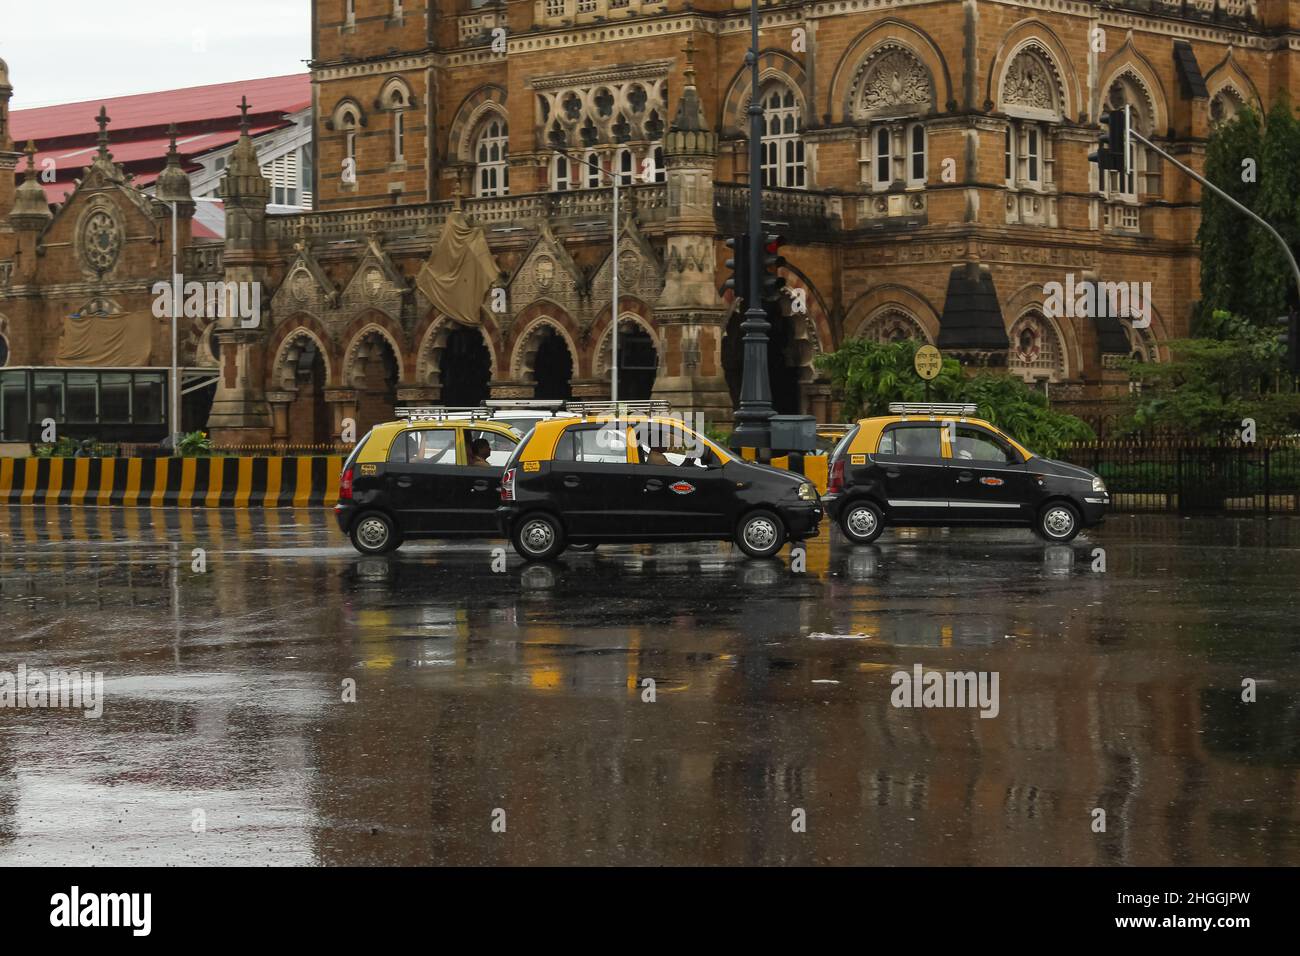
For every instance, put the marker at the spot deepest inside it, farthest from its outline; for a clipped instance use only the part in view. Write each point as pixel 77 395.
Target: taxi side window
pixel 603 444
pixel 500 446
pixel 424 446
pixel 975 445
pixel 911 441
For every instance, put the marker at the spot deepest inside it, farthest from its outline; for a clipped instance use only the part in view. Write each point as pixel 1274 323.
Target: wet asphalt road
pixel 225 738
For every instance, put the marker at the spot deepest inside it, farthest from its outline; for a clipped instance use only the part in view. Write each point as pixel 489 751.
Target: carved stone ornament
pixel 302 285
pixel 101 241
pixel 1028 83
pixel 544 272
pixel 891 79
pixel 374 283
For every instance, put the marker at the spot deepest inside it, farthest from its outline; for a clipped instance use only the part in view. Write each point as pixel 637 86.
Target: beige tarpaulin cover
pixel 460 271
pixel 117 340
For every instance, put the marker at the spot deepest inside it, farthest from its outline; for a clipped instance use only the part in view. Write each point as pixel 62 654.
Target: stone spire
pixel 173 183
pixel 689 133
pixel 244 181
pixel 31 209
pixel 6 91
pixel 103 161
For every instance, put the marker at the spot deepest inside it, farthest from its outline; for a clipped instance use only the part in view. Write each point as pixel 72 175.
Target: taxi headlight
pixel 1099 486
pixel 808 491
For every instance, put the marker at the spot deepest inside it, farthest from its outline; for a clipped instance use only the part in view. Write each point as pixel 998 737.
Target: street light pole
pixel 176 307
pixel 752 417
pixel 613 174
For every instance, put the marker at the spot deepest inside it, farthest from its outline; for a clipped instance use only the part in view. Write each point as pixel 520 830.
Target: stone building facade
pixel 927 162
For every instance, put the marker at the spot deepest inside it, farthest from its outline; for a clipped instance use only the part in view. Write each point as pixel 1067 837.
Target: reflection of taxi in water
pixel 645 479
pixel 425 476
pixel 935 465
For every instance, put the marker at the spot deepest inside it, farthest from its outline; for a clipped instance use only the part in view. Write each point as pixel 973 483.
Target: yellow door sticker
pixel 857 459
pixel 369 469
pixel 532 466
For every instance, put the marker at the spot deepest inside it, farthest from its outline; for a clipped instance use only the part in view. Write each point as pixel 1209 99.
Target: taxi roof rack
pixel 425 413
pixel 549 404
pixel 931 408
pixel 657 406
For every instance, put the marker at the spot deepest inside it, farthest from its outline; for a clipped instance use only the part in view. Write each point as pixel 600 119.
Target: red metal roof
pixel 271 95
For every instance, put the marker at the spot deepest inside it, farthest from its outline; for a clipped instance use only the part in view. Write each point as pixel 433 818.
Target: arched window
pixel 626 167
pixel 592 169
pixel 660 172
pixel 397 102
pixel 348 124
pixel 560 174
pixel 897 154
pixel 1144 164
pixel 783 148
pixel 492 173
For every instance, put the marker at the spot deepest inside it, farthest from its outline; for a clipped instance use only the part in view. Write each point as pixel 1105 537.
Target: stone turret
pixel 240 413
pixel 173 183
pixel 689 313
pixel 8 158
pixel 31 210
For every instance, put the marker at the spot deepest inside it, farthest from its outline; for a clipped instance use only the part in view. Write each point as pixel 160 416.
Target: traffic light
pixel 772 282
pixel 1112 143
pixel 1290 341
pixel 737 283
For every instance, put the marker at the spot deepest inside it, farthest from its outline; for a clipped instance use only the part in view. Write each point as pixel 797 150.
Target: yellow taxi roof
pixel 382 435
pixel 867 439
pixel 546 433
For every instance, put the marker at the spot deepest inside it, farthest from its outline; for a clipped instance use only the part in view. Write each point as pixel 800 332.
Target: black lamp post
pixel 752 417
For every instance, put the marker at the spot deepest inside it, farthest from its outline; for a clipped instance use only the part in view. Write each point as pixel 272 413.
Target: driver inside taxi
pixel 479 450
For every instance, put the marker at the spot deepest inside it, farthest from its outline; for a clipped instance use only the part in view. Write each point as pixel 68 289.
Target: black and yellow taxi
pixel 935 464
pixel 645 479
pixel 423 476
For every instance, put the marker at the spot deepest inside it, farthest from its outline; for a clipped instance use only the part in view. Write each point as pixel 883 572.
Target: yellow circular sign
pixel 928 361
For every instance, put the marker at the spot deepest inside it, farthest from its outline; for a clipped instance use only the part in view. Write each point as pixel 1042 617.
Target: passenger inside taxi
pixel 479 450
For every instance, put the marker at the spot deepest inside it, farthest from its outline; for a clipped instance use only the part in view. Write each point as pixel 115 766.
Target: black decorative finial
pixel 171 135
pixel 243 114
pixel 690 59
pixel 31 161
pixel 102 122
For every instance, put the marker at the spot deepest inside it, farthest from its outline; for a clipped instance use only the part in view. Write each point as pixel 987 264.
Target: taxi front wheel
pixel 538 537
pixel 761 534
pixel 374 533
pixel 1058 521
pixel 862 522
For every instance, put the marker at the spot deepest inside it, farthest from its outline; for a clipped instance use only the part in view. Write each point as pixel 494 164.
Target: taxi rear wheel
pixel 375 533
pixel 1058 521
pixel 862 522
pixel 761 534
pixel 538 537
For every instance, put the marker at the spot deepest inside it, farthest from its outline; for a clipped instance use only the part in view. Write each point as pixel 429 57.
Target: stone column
pixel 343 404
pixel 280 402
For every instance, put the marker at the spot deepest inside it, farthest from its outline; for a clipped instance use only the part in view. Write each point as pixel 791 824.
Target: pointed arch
pixel 773 66
pixel 432 339
pixel 469 117
pixel 890 36
pixel 297 326
pixel 1140 80
pixel 1036 38
pixel 372 320
pixel 891 297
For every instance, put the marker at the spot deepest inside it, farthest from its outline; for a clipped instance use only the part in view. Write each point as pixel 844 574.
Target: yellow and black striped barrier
pixel 816 468
pixel 267 482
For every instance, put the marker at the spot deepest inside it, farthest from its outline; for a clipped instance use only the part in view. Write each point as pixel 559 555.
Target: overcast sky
pixel 77 50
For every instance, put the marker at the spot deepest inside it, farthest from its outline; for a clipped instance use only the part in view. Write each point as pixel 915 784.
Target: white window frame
pixel 626 165
pixel 784 153
pixel 561 181
pixel 882 134
pixel 910 152
pixel 492 173
pixel 593 168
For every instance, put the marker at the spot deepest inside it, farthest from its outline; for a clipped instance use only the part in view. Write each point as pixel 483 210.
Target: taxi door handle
pixel 964 476
pixel 404 482
pixel 571 481
pixel 893 474
pixel 480 485
pixel 653 484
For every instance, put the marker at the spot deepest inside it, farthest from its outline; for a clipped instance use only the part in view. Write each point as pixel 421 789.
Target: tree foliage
pixel 1215 382
pixel 870 375
pixel 1243 270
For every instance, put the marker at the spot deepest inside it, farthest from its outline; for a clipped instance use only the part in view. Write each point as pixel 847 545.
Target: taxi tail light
pixel 345 485
pixel 836 483
pixel 508 485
